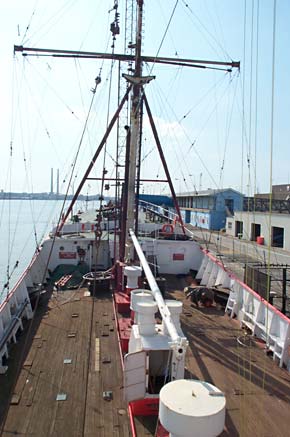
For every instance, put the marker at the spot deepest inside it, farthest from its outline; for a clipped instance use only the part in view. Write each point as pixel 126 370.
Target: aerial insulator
pixel 115 29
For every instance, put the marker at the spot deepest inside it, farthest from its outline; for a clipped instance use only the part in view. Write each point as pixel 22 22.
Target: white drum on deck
pixel 140 295
pixel 190 408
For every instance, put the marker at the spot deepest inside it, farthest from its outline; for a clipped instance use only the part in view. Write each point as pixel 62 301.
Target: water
pixel 23 225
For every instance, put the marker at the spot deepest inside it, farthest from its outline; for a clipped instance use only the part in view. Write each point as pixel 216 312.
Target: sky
pixel 214 127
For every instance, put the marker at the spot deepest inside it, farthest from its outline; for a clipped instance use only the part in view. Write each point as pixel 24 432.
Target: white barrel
pixel 132 273
pixel 146 317
pixel 190 408
pixel 139 295
pixel 175 308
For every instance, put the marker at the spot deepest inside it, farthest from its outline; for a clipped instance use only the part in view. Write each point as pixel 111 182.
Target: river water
pixel 23 225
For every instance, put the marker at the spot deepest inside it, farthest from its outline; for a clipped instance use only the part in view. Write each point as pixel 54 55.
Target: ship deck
pixel 257 391
pixel 74 355
pixel 72 326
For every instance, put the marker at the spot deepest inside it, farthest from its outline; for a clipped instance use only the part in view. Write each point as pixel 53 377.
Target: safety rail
pixel 14 307
pixel 167 214
pixel 255 313
pixel 15 321
pixel 8 331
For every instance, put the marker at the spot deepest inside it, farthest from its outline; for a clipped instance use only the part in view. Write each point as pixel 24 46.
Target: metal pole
pixel 164 311
pixel 105 137
pixel 284 291
pixel 162 157
pixel 134 126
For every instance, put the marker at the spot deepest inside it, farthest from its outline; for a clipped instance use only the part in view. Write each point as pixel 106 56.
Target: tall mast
pixel 134 130
pixel 133 135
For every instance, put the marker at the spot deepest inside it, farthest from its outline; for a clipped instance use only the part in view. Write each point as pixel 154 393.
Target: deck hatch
pixel 61 397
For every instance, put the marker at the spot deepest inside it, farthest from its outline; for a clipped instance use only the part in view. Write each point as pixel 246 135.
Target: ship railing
pixel 160 211
pixel 262 319
pixel 15 322
pixel 81 227
pixel 16 305
pixel 9 325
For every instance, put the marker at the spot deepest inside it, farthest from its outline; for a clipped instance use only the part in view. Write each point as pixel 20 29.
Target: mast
pixel 134 131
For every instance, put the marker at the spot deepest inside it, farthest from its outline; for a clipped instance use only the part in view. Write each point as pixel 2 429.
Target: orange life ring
pixel 167 229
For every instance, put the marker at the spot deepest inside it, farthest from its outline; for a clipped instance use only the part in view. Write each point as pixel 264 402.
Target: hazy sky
pixel 44 101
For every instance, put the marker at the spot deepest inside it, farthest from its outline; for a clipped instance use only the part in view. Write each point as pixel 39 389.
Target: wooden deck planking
pixel 38 412
pixel 257 390
pixel 145 426
pixel 106 416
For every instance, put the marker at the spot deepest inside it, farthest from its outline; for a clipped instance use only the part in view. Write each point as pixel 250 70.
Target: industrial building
pixel 209 209
pixel 265 218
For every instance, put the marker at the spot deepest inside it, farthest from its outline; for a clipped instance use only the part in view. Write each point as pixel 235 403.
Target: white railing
pixel 261 318
pixel 16 306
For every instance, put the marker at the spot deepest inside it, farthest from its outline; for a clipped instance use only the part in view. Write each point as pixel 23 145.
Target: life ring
pixel 167 229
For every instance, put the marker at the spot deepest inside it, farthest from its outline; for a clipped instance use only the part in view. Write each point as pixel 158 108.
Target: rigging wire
pixel 29 22
pixel 227 135
pixel 249 162
pixel 243 96
pixel 192 143
pixel 202 98
pixel 271 165
pixel 91 24
pixel 171 131
pixel 59 14
pixel 59 97
pixel 256 96
pixel 164 35
pixel 186 5
pixel 250 101
pixel 170 35
pixel 107 123
pixel 177 156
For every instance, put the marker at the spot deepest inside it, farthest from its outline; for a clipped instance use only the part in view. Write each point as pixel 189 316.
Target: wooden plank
pixel 252 382
pixel 97 354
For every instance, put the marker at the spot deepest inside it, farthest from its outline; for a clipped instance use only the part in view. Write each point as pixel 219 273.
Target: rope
pixel 256 97
pixel 164 35
pixel 271 163
pixel 207 31
pixel 243 95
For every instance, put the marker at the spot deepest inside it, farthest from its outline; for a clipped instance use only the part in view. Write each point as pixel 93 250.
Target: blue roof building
pixel 157 199
pixel 208 209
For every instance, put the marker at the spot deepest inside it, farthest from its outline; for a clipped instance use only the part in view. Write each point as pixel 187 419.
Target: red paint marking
pixel 178 256
pixel 123 302
pixel 132 424
pixel 67 255
pixel 145 407
pixel 161 432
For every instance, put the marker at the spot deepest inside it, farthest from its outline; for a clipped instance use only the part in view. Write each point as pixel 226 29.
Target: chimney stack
pixel 57 182
pixel 51 181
